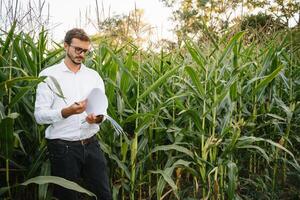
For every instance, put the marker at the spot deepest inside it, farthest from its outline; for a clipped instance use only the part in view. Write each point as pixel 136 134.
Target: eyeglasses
pixel 79 50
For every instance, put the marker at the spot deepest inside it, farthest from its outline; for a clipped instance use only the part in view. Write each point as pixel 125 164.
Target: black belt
pixel 82 142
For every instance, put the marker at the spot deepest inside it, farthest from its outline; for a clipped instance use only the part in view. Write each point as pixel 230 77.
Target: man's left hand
pixel 92 119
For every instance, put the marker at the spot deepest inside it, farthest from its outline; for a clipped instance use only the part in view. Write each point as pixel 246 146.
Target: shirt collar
pixel 64 67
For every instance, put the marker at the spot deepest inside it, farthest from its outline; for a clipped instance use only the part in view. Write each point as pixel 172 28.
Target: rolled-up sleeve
pixel 43 111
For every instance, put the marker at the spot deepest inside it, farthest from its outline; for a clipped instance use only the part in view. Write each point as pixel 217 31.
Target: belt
pixel 76 142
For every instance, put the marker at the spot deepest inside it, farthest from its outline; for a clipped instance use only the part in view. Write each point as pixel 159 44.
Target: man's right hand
pixel 75 108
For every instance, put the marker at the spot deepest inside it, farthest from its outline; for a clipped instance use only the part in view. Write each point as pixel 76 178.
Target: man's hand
pixel 91 119
pixel 75 108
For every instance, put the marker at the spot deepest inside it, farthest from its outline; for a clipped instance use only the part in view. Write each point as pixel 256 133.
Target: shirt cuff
pixel 58 115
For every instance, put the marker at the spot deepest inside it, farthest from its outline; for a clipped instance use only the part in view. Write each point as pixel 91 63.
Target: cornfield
pixel 212 120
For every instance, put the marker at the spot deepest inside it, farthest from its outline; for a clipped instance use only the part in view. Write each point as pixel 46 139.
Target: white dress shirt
pixel 75 87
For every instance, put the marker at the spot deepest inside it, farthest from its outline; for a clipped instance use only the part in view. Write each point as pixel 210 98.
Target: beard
pixel 77 60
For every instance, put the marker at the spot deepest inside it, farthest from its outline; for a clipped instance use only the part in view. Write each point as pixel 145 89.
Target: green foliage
pixel 217 120
pixel 22 147
pixel 261 21
pixel 194 17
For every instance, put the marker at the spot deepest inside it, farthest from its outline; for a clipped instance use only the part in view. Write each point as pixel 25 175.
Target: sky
pixel 65 14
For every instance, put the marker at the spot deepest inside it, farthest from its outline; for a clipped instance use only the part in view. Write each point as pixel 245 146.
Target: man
pixel 73 148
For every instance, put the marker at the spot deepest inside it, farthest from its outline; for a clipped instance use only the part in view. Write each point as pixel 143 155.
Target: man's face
pixel 77 50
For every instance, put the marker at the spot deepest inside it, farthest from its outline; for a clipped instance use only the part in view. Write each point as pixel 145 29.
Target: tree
pixel 261 26
pixel 125 28
pixel 193 16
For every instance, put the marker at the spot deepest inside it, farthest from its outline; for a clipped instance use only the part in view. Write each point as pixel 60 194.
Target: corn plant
pixel 211 120
pixel 193 116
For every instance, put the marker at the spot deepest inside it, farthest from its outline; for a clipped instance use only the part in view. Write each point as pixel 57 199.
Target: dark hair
pixel 76 33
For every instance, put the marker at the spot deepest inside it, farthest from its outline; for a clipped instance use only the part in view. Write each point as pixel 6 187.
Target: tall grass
pixel 212 121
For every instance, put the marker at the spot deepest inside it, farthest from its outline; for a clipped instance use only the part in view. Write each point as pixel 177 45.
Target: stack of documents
pixel 97 104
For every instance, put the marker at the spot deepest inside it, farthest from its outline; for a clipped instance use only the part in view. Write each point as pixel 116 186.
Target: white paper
pixel 96 102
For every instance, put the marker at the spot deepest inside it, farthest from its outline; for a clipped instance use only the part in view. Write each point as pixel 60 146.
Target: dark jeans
pixel 79 163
